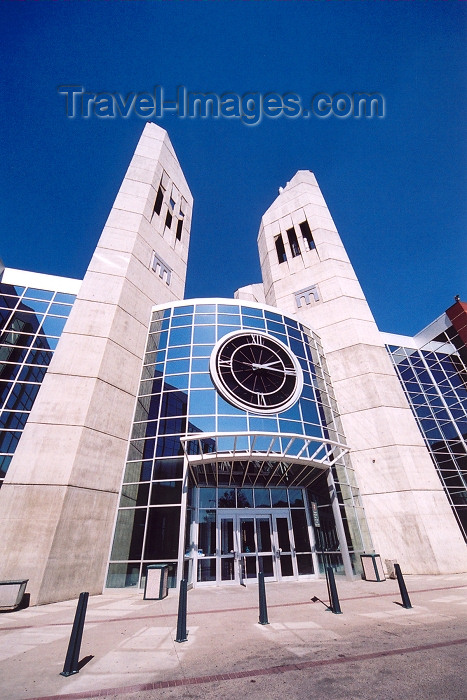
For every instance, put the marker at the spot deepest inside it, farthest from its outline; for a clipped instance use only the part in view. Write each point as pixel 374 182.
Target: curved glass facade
pixel 251 459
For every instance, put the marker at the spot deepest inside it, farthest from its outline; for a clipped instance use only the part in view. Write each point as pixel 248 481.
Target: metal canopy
pixel 258 458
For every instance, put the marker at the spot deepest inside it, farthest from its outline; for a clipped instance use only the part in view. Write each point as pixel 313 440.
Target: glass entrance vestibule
pixel 234 533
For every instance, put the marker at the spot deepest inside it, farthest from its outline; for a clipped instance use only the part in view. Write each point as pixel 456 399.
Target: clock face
pixel 253 371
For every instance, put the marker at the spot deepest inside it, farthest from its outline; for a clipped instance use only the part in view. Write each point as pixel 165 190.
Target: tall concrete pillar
pixel 307 273
pixel 58 502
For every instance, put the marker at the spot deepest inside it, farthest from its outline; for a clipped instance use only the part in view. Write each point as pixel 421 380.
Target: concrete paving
pixel 375 649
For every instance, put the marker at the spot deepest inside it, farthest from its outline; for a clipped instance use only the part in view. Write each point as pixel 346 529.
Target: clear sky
pixel 396 186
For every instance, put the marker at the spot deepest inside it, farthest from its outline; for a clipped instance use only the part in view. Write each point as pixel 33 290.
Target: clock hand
pixel 269 365
pixel 290 372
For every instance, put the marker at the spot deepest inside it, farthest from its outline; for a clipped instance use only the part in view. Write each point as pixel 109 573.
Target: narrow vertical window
pixel 294 247
pixel 280 249
pixel 160 193
pixel 168 220
pixel 307 235
pixel 178 234
pixel 159 200
pixel 181 216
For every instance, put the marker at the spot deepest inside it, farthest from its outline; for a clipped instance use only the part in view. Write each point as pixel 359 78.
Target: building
pixel 276 431
pixel 33 312
pixel 432 368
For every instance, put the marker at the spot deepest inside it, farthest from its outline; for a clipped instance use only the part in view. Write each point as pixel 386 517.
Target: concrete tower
pixel 57 513
pixel 307 273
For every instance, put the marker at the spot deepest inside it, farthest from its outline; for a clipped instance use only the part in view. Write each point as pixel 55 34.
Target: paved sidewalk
pixel 375 649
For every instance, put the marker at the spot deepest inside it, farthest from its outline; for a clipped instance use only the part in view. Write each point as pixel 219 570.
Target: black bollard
pixel 182 635
pixel 334 605
pixel 263 608
pixel 74 645
pixel 400 580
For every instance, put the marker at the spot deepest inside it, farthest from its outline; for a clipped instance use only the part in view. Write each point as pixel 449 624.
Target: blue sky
pixel 396 187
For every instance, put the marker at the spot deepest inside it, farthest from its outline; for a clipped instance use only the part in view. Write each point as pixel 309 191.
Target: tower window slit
pixel 293 242
pixel 159 200
pixel 178 234
pixel 168 220
pixel 181 216
pixel 280 249
pixel 307 235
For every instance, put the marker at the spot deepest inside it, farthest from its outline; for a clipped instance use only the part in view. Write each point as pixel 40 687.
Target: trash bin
pixel 157 578
pixel 372 567
pixel 11 593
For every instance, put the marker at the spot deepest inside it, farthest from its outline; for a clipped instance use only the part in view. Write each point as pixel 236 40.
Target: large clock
pixel 256 372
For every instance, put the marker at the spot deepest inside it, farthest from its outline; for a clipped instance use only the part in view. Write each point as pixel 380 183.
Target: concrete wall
pixel 58 503
pixel 252 292
pixel 408 513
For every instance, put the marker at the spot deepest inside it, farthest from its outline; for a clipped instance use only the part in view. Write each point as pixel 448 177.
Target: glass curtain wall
pixel 32 321
pixel 434 379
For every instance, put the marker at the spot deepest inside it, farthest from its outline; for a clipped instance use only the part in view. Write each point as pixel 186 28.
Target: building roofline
pixel 53 283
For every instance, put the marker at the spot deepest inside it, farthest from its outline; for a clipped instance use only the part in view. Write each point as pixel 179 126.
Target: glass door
pixel 284 546
pixel 256 546
pixel 246 546
pixel 248 551
pixel 265 547
pixel 228 554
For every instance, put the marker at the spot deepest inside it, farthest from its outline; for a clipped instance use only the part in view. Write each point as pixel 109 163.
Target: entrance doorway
pixel 251 542
pixel 230 543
